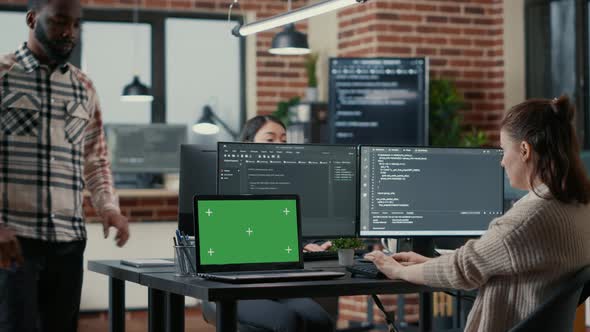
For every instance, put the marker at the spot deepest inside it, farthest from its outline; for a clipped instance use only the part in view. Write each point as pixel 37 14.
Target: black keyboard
pixel 365 270
pixel 310 256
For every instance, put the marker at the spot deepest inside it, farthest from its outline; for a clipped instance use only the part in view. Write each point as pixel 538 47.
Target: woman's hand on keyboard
pixel 386 264
pixel 409 258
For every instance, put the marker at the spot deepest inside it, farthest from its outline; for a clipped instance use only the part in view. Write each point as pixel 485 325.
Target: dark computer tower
pixel 198 176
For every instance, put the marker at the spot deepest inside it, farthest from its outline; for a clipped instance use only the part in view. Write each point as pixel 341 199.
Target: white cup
pixel 389 245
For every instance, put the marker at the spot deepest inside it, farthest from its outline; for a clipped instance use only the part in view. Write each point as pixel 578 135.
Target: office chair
pixel 558 312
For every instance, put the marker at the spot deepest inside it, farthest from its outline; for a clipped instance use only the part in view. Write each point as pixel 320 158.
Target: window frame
pixel 157 20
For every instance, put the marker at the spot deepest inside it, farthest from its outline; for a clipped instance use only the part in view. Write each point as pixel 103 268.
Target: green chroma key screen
pixel 248 231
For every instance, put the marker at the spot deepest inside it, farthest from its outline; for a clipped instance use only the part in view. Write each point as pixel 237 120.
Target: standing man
pixel 52 146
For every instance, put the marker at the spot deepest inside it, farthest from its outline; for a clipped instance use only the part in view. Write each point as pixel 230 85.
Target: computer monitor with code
pixel 429 192
pixel 324 177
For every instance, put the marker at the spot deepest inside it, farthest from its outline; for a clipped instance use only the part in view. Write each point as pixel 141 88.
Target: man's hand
pixel 409 258
pixel 386 264
pixel 10 253
pixel 314 247
pixel 120 222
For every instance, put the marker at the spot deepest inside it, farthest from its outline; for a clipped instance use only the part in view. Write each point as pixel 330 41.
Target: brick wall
pixel 162 207
pixel 354 308
pixel 463 39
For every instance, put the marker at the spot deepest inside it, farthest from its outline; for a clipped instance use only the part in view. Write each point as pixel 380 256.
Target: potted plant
pixel 446 122
pixel 345 248
pixel 311 93
pixel 282 111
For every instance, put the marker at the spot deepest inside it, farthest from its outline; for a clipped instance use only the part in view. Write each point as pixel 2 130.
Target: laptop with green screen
pixel 250 238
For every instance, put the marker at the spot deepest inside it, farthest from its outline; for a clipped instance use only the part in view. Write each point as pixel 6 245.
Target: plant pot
pixel 311 94
pixel 346 257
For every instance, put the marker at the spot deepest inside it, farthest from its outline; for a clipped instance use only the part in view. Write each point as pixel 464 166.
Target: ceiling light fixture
pixel 136 91
pixel 293 16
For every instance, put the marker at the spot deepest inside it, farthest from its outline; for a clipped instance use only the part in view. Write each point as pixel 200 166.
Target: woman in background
pixel 538 244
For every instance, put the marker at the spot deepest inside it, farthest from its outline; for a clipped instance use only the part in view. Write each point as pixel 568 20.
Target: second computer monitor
pixel 409 191
pixel 324 177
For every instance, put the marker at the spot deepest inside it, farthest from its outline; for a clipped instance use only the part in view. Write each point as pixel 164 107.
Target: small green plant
pixel 347 243
pixel 310 63
pixel 282 112
pixel 446 123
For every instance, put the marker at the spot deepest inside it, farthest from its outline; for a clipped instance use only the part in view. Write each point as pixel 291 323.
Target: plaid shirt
pixel 51 147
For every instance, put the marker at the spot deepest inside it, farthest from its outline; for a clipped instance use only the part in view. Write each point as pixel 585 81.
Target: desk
pixel 167 291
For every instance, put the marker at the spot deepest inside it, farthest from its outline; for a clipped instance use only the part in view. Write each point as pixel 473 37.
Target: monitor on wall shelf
pixel 378 101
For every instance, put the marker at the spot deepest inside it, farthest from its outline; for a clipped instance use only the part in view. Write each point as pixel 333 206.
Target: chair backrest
pixel 558 312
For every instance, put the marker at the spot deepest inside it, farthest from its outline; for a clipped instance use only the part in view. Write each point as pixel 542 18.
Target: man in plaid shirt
pixel 52 146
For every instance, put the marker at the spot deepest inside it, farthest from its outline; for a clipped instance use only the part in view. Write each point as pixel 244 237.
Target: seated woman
pixel 540 242
pixel 284 315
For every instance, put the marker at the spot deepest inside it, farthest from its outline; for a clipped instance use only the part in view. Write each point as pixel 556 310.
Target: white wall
pixel 323 39
pixel 148 240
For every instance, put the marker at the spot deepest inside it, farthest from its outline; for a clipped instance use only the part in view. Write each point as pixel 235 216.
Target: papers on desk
pixel 147 262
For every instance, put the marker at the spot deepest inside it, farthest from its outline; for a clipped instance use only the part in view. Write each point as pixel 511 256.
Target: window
pixel 10 37
pixel 111 54
pixel 188 60
pixel 557 60
pixel 202 68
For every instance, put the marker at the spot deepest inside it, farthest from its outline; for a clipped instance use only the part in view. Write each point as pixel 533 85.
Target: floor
pixel 136 321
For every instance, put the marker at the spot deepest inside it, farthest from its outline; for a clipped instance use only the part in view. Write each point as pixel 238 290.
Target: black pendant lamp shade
pixel 206 124
pixel 136 91
pixel 289 42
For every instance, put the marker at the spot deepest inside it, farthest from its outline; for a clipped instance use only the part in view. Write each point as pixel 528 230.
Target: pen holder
pixel 185 260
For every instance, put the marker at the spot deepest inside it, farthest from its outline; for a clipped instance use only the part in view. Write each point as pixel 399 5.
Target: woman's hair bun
pixel 563 108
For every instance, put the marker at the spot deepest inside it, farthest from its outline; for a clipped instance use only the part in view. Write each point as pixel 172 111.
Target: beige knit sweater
pixel 516 264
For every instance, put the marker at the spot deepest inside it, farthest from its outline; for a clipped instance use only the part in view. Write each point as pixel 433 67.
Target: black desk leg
pixel 156 310
pixel 227 316
pixel 116 305
pixel 425 324
pixel 175 312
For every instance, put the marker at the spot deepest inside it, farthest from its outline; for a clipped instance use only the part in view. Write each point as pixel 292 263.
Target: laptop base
pixel 256 277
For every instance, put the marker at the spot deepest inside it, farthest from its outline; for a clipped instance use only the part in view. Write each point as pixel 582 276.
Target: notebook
pixel 148 262
pixel 251 238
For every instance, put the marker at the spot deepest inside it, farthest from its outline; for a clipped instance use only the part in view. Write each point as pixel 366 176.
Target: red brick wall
pixel 463 39
pixel 354 308
pixel 141 208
